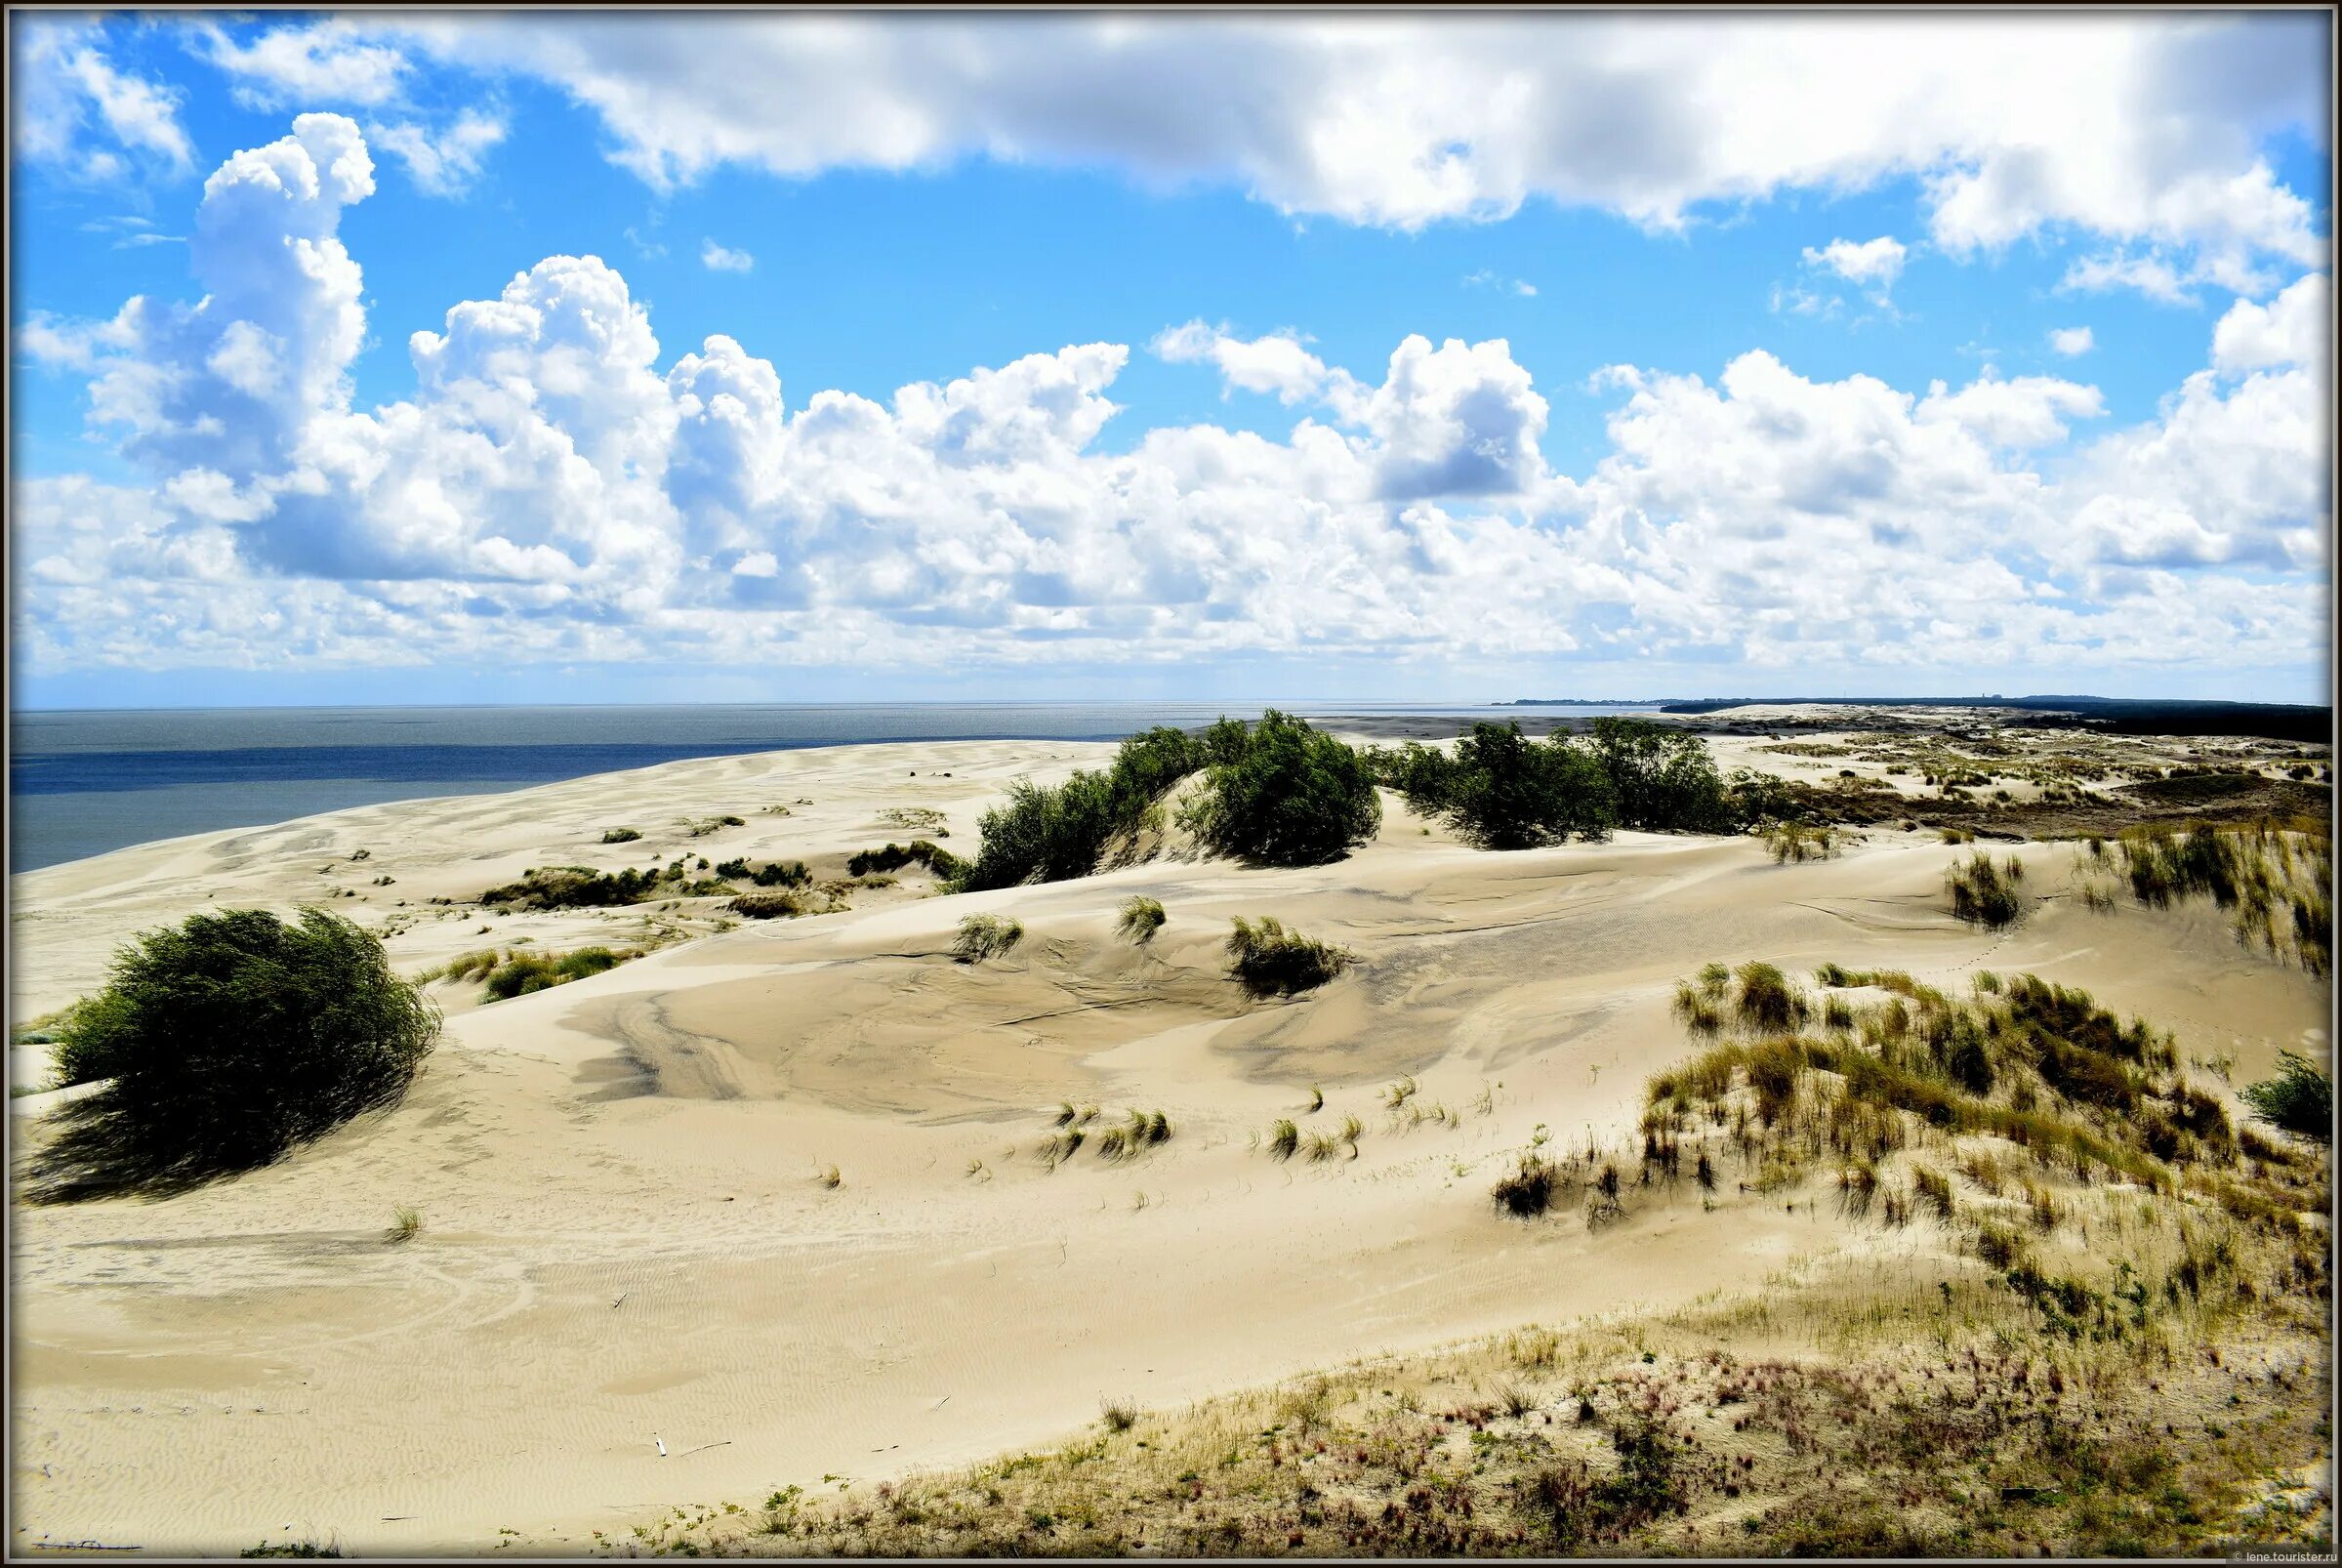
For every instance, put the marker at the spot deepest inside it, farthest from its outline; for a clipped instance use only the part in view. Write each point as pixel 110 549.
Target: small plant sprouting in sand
pixel 1527 1189
pixel 1067 1113
pixel 1317 1100
pixel 983 936
pixel 1119 1415
pixel 1984 893
pixel 1141 919
pixel 406 1223
pixel 829 1178
pixel 620 836
pixel 1513 1399
pixel 1536 1348
pixel 1268 959
pixel 1399 1093
pixel 1352 1129
pixel 1284 1139
pixel 1323 1146
pixel 1142 1130
pixel 1604 1206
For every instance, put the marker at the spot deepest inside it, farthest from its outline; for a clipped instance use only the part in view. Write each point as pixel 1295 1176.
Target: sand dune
pixel 628 1240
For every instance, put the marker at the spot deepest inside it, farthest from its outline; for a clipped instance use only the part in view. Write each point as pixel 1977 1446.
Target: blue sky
pixel 1572 215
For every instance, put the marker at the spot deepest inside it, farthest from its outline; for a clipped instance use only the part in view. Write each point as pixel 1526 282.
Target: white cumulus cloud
pixel 2143 130
pixel 1874 264
pixel 561 489
pixel 722 259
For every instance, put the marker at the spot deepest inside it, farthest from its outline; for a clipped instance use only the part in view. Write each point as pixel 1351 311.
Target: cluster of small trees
pixel 1275 792
pixel 1500 790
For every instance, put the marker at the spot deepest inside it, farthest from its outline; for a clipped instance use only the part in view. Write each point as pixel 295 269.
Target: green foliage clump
pixel 785 905
pixel 1663 779
pixel 1047 833
pixel 1268 959
pixel 920 852
pixel 2299 1098
pixel 1502 791
pixel 620 836
pixel 983 936
pixel 224 1042
pixel 1141 919
pixel 1282 793
pixel 579 888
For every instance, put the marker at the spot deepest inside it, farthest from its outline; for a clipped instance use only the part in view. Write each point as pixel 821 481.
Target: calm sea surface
pixel 83 783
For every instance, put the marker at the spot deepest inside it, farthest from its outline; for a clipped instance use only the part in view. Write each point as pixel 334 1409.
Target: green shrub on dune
pixel 1289 795
pixel 1054 833
pixel 1664 779
pixel 1502 791
pixel 224 1042
pixel 2299 1098
pixel 894 857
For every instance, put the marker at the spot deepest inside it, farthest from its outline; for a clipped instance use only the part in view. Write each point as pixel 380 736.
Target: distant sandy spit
pixel 636 1284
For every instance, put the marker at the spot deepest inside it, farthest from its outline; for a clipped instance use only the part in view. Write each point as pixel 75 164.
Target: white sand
pixel 625 1240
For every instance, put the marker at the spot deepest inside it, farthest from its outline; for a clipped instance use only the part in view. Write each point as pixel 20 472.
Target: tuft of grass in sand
pixel 1800 841
pixel 1141 919
pixel 406 1224
pixel 1984 894
pixel 983 936
pixel 1268 959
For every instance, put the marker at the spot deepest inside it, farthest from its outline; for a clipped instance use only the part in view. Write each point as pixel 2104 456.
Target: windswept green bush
pixel 1286 795
pixel 1268 959
pixel 1046 833
pixel 2299 1098
pixel 225 1042
pixel 620 836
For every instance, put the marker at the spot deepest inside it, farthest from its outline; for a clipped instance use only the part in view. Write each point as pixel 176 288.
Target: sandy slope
pixel 626 1241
